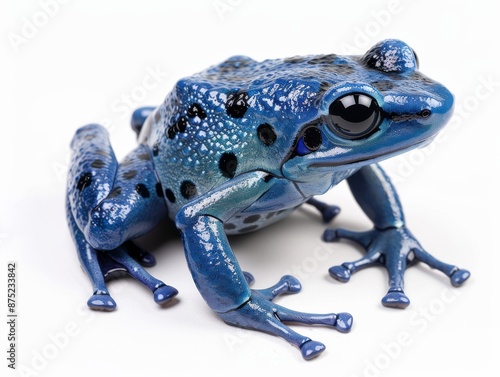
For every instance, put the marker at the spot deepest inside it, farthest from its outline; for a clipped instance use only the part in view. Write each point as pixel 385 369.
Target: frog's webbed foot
pixel 260 313
pixel 328 212
pixel 396 249
pixel 129 259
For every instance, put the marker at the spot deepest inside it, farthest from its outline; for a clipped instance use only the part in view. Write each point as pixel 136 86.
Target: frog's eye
pixel 354 116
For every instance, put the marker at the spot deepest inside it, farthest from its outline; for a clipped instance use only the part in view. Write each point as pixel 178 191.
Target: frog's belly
pixel 244 223
pixel 278 202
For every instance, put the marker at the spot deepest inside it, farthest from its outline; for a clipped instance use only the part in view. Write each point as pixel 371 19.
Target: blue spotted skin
pixel 241 145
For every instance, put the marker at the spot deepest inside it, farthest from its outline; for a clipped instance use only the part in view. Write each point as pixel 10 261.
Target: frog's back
pixel 240 116
pixel 205 132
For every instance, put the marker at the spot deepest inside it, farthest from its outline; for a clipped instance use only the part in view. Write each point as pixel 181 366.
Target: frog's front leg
pixel 108 205
pixel 389 243
pixel 219 278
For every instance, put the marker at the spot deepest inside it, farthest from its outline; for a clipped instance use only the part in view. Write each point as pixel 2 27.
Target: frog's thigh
pixel 132 208
pixel 92 172
pixel 111 203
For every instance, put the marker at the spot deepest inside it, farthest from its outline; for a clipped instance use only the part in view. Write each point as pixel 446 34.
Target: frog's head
pixel 379 107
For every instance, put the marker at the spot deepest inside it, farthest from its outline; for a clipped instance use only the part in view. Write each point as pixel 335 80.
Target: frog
pixel 240 146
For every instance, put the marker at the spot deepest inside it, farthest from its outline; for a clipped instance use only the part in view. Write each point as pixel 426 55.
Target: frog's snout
pixel 433 110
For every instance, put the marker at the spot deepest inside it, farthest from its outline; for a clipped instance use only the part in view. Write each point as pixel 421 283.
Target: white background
pixel 77 63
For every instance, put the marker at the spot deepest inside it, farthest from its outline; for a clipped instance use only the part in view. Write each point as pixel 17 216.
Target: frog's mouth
pixel 341 158
pixel 328 163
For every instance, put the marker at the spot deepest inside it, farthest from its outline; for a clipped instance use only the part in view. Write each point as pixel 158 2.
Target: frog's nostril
pixel 426 113
pixel 405 117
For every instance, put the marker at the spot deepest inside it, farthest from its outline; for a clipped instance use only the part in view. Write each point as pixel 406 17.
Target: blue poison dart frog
pixel 241 145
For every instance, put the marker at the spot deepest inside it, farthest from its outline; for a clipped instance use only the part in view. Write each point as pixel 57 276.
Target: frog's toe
pixel 311 349
pixel 459 277
pixel 292 283
pixel 164 294
pixel 248 277
pixel 145 258
pixel 396 299
pixel 343 322
pixel 329 213
pixel 330 235
pixel 363 238
pixel 287 284
pixel 340 273
pixel 102 302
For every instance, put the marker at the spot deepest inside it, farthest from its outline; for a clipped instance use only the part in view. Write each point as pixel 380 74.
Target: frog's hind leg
pixel 139 116
pixel 328 212
pixel 91 264
pixel 108 205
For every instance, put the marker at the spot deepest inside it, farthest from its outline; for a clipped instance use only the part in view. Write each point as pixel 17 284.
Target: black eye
pixel 309 142
pixel 354 116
